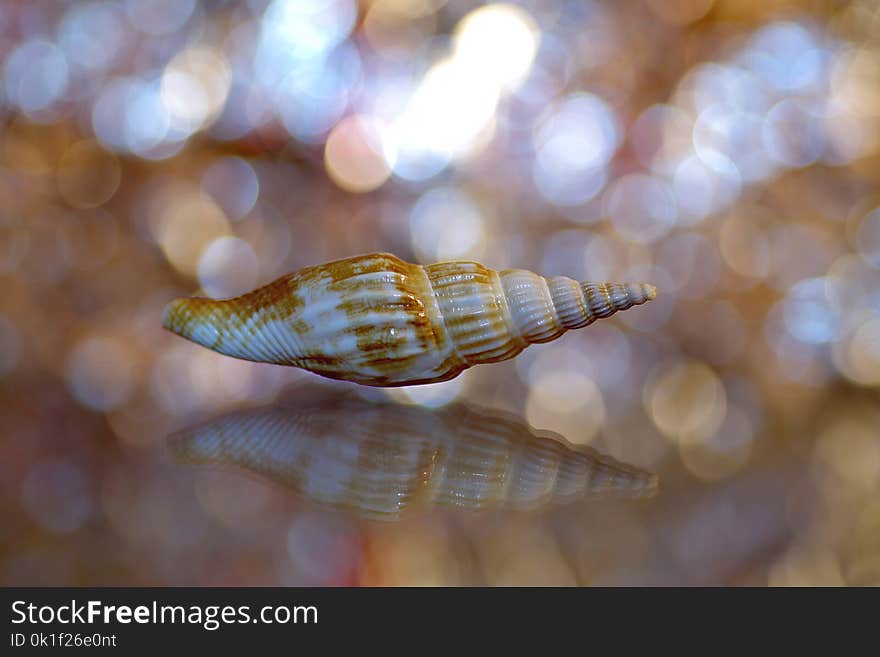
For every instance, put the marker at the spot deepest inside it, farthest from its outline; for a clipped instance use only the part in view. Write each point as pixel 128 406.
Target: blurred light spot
pixel 140 422
pixel 745 245
pixel 846 137
pixel 396 28
pixel 868 238
pixel 129 115
pixel 686 400
pixel 233 184
pixel 92 35
pixel 861 354
pixel 36 75
pixel 449 116
pixel 642 208
pixel 194 87
pixel 604 255
pixel 568 403
pixel 763 109
pixel 706 184
pixel 654 134
pixel 607 355
pixel 159 17
pixel 738 136
pixel 723 453
pixel 854 80
pixel 604 358
pixel 692 263
pixel 186 380
pixel 853 287
pixel 792 133
pixel 87 175
pixel 55 494
pixel 303 29
pixel 581 255
pixel 185 228
pixel 574 142
pixel 10 346
pixel 727 93
pixel 247 108
pixel 663 138
pixel 353 154
pixel 809 316
pixel 551 71
pixel 272 240
pixel 499 41
pixel 855 100
pixel 100 372
pixel 631 437
pixel 742 393
pixel 312 95
pixel 432 395
pixel 228 267
pixel 785 57
pixel 445 225
pixel 239 380
pixel 171 380
pixel 797 361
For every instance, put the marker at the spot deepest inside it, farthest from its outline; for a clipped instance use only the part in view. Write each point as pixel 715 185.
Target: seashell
pixel 380 321
pixel 384 461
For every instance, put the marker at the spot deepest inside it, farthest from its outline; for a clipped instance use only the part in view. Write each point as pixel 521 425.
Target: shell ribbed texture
pixel 384 461
pixel 378 320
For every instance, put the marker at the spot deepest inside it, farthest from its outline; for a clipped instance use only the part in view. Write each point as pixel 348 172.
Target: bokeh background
pixel 724 150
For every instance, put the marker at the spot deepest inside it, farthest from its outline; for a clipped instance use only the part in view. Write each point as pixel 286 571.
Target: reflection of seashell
pixel 377 320
pixel 381 460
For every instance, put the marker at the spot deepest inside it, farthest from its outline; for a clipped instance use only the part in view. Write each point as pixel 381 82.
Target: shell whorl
pixel 378 320
pixel 384 461
pixel 492 316
pixel 225 325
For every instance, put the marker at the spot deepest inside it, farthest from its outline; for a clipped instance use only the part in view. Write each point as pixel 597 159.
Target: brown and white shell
pixel 380 321
pixel 384 461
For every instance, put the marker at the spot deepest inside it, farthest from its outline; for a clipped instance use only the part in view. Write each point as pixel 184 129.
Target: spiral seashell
pixel 384 461
pixel 380 321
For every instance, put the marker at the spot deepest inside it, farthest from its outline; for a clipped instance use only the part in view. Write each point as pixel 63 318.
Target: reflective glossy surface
pixel 385 461
pixel 326 487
